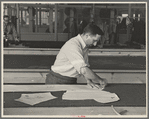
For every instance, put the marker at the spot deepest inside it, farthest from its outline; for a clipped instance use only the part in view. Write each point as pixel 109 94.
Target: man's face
pixel 91 40
pixel 6 20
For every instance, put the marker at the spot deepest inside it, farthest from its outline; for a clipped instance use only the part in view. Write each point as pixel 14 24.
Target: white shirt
pixel 71 58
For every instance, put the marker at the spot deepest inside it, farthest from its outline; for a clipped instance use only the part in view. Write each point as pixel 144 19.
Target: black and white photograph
pixel 74 59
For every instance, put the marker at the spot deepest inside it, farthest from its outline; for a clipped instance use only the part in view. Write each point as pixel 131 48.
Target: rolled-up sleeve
pixel 75 57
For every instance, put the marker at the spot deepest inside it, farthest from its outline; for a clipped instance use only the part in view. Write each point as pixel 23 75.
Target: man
pixel 72 60
pixel 10 34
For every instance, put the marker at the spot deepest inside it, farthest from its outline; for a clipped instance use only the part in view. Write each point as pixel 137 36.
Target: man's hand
pixel 92 84
pixel 92 78
pixel 103 83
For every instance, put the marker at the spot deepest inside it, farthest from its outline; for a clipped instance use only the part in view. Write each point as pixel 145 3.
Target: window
pixel 124 15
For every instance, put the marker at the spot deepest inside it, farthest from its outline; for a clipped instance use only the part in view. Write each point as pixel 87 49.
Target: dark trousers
pixel 55 78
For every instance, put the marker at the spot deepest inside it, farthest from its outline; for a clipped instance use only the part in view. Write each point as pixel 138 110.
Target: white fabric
pixel 99 96
pixel 35 98
pixel 72 56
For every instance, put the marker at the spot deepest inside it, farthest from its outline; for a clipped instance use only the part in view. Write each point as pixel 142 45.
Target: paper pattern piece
pixel 35 98
pixel 99 96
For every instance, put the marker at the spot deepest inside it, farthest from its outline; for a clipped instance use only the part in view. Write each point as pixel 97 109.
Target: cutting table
pixel 132 101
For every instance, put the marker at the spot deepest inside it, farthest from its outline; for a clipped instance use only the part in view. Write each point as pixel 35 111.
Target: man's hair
pixel 93 29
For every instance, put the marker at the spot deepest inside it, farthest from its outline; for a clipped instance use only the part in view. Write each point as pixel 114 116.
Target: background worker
pixel 9 30
pixel 72 60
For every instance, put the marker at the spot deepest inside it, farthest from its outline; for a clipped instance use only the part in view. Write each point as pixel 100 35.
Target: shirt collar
pixel 82 41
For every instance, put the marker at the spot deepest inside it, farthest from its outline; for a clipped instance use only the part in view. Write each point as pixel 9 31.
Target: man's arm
pixel 93 78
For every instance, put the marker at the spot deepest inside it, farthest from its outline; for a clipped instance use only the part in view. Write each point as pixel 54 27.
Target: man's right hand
pixel 91 84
